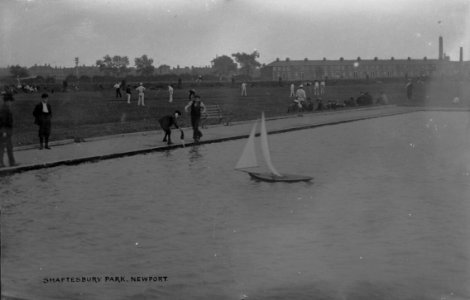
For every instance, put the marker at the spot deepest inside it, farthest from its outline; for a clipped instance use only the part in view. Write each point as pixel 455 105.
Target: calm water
pixel 387 217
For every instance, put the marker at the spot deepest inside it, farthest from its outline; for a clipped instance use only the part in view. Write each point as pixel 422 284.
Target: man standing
pixel 117 86
pixel 244 89
pixel 197 108
pixel 170 91
pixel 42 117
pixel 6 129
pixel 316 88
pixel 292 90
pixel 141 90
pixel 322 87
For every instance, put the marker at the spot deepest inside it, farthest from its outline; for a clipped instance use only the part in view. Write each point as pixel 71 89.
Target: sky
pixel 194 32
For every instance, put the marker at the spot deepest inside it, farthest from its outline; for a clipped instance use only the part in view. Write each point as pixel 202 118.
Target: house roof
pixel 347 62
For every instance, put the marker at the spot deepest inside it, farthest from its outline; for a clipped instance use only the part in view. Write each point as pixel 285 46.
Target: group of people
pixel 365 98
pixel 141 93
pixel 302 102
pixel 300 96
pixel 140 90
pixel 42 118
pixel 195 107
pixel 319 88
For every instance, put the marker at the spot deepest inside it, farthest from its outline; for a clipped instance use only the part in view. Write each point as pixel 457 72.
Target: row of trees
pixel 118 66
pixel 221 65
pixel 224 65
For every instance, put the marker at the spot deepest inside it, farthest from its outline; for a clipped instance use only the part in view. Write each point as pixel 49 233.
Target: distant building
pixel 376 68
pixel 361 69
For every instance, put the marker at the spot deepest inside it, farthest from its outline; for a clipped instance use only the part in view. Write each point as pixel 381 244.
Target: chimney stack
pixel 461 54
pixel 441 48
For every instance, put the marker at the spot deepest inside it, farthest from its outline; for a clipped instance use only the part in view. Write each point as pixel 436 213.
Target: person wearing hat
pixel 141 90
pixel 191 94
pixel 196 108
pixel 42 117
pixel 6 129
pixel 166 122
pixel 300 96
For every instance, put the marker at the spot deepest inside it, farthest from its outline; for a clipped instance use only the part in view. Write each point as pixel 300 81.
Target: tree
pixel 164 69
pixel 18 71
pixel 223 65
pixel 115 65
pixel 144 65
pixel 247 62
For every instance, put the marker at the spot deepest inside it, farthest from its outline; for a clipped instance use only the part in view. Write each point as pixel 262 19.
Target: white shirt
pixel 141 90
pixel 44 108
pixel 300 94
pixel 170 89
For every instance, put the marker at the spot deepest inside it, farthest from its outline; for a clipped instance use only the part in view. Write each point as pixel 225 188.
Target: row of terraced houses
pixel 298 70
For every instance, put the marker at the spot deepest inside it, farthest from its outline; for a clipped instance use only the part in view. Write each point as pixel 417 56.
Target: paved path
pixel 93 149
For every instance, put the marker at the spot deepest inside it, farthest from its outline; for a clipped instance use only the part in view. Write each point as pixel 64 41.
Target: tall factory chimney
pixel 461 54
pixel 441 48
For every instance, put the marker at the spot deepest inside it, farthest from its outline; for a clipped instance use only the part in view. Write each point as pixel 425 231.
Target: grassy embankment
pixel 85 114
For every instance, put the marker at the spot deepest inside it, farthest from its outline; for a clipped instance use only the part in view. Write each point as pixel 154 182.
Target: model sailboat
pixel 248 159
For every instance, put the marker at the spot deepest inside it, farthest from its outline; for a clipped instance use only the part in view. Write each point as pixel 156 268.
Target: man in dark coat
pixel 197 108
pixel 6 129
pixel 166 122
pixel 42 117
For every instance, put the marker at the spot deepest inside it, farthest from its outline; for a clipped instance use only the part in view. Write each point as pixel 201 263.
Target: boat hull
pixel 284 178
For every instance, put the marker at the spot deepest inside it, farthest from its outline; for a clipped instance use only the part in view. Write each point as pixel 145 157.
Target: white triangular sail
pixel 265 147
pixel 248 157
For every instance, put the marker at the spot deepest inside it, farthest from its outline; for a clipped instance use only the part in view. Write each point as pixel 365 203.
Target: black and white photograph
pixel 235 149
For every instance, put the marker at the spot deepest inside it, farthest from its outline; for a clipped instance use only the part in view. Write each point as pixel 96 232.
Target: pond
pixel 386 217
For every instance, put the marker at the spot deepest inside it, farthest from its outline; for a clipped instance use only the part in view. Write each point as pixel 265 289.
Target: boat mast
pixel 265 147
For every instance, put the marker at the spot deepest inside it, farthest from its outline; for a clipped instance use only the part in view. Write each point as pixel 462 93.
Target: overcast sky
pixel 194 32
